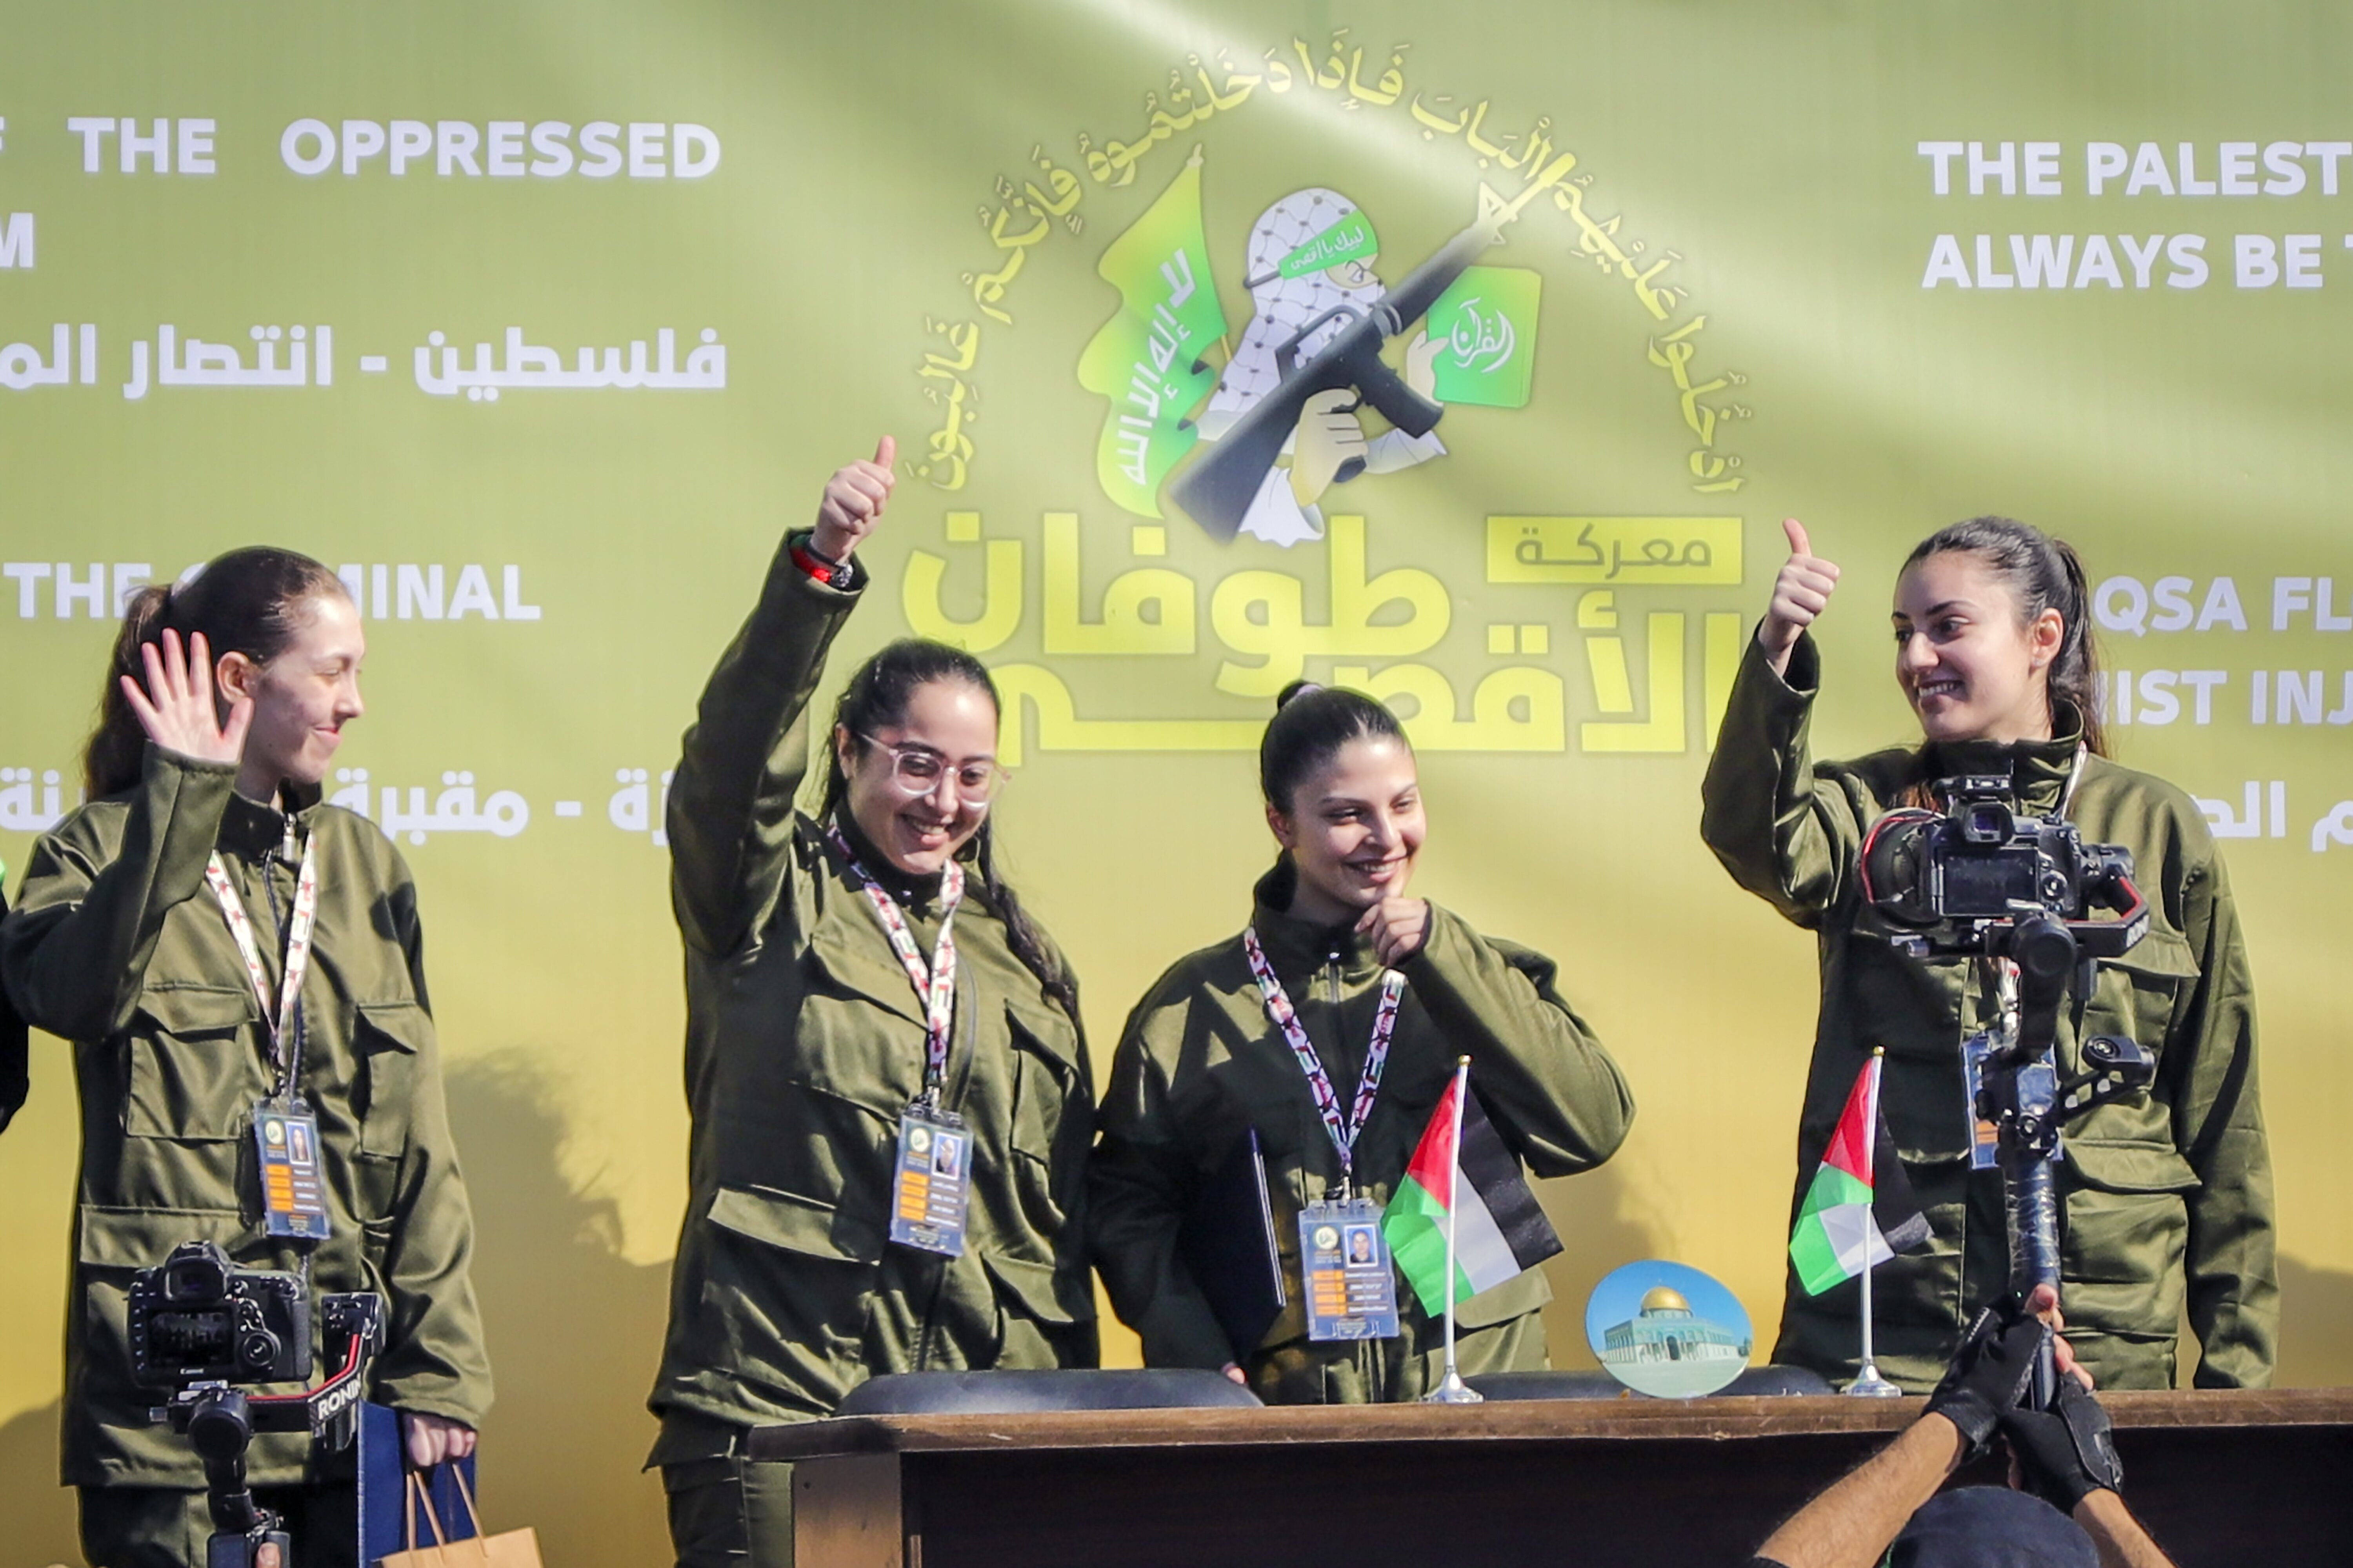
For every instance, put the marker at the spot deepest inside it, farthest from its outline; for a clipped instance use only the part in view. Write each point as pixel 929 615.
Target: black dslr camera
pixel 200 1326
pixel 1954 879
pixel 197 1318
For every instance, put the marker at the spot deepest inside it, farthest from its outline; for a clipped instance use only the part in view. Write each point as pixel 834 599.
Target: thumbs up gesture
pixel 854 500
pixel 1801 592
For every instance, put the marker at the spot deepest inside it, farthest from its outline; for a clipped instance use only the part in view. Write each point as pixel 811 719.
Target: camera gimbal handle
pixel 220 1421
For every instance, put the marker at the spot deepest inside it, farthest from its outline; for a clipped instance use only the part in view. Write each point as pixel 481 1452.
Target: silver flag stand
pixel 1451 1389
pixel 1870 1384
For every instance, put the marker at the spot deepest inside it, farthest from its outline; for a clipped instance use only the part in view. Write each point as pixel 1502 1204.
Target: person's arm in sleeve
pixel 74 951
pixel 434 1361
pixel 1536 1064
pixel 1784 834
pixel 16 1045
pixel 730 821
pixel 1139 1185
pixel 2209 1063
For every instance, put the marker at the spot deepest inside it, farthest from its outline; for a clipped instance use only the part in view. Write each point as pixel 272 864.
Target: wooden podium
pixel 2221 1479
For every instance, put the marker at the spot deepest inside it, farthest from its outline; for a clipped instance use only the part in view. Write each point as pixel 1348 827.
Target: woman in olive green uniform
pixel 823 1050
pixel 126 941
pixel 2168 1196
pixel 1205 1061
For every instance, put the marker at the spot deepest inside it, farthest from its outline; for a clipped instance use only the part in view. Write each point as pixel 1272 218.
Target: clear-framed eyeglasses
pixel 916 770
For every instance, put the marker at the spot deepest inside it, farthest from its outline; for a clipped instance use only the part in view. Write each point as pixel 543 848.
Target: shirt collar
pixel 917 893
pixel 251 829
pixel 2038 770
pixel 1296 944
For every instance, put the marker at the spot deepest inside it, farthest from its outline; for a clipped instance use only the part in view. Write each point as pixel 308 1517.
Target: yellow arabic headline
pixel 1261 618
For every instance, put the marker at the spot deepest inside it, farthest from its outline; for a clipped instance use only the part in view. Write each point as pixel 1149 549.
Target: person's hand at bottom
pixel 434 1439
pixel 2064 1454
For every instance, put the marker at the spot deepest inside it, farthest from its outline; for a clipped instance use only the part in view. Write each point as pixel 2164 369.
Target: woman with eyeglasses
pixel 890 1097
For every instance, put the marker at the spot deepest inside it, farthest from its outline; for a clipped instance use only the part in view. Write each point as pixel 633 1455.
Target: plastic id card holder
pixel 934 1179
pixel 293 1197
pixel 1343 1260
pixel 2038 1084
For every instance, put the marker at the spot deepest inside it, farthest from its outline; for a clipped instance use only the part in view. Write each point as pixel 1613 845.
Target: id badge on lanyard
pixel 1343 1262
pixel 285 1132
pixel 931 1180
pixel 1350 1288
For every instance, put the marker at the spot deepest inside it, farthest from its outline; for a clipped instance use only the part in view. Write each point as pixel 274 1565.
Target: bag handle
pixel 417 1496
pixel 457 1474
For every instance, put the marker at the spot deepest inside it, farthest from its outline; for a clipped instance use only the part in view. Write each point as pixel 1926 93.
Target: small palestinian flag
pixel 1500 1230
pixel 1860 1212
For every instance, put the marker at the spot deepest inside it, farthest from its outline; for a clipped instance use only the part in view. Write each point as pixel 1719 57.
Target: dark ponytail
pixel 251 600
pixel 2042 573
pixel 877 698
pixel 1310 724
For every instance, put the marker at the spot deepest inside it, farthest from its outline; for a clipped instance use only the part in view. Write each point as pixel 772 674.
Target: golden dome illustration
pixel 1664 1298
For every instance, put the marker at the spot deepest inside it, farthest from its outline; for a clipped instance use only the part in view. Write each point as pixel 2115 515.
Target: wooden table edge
pixel 1502 1421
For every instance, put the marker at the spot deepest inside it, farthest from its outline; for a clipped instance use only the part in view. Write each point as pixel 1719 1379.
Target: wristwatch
pixel 841 574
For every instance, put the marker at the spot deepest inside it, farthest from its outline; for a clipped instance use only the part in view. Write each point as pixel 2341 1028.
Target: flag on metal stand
pixel 1462 1215
pixel 1860 1211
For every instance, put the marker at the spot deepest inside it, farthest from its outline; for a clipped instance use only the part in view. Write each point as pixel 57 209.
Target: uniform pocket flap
pixel 142 1238
pixel 2129 1167
pixel 1526 1292
pixel 1040 1289
pixel 1041 1027
pixel 858 959
pixel 2161 953
pixel 779 1218
pixel 404 1025
pixel 190 1011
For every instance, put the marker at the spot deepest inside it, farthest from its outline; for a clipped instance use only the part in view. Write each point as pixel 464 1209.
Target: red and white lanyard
pixel 1319 1082
pixel 282 1018
pixel 935 986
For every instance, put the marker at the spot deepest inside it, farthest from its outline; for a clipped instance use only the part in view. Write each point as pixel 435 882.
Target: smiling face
pixel 1354 828
pixel 302 699
pixel 1971 666
pixel 955 721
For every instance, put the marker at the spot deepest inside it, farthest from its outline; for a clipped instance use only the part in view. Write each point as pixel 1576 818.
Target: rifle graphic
pixel 1217 489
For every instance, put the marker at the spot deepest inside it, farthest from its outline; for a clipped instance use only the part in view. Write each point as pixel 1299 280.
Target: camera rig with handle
pixel 2018 893
pixel 197 1314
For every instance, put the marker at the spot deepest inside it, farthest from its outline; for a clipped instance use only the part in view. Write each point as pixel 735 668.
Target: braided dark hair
pixel 251 600
pixel 877 698
pixel 2042 573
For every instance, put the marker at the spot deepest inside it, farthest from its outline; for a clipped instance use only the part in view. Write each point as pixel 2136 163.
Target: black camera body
pixel 197 1318
pixel 1951 875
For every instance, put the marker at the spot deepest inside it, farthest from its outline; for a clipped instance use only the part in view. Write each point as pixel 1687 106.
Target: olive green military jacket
pixel 804 1044
pixel 118 945
pixel 15 1051
pixel 2168 1196
pixel 1200 1063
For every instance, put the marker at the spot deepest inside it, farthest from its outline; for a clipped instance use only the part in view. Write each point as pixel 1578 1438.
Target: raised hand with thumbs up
pixel 1801 592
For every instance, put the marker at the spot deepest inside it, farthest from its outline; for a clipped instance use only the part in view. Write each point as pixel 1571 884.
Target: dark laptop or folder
pixel 1227 1240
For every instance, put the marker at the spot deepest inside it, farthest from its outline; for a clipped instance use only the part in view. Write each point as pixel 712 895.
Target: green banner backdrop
pixel 541 321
